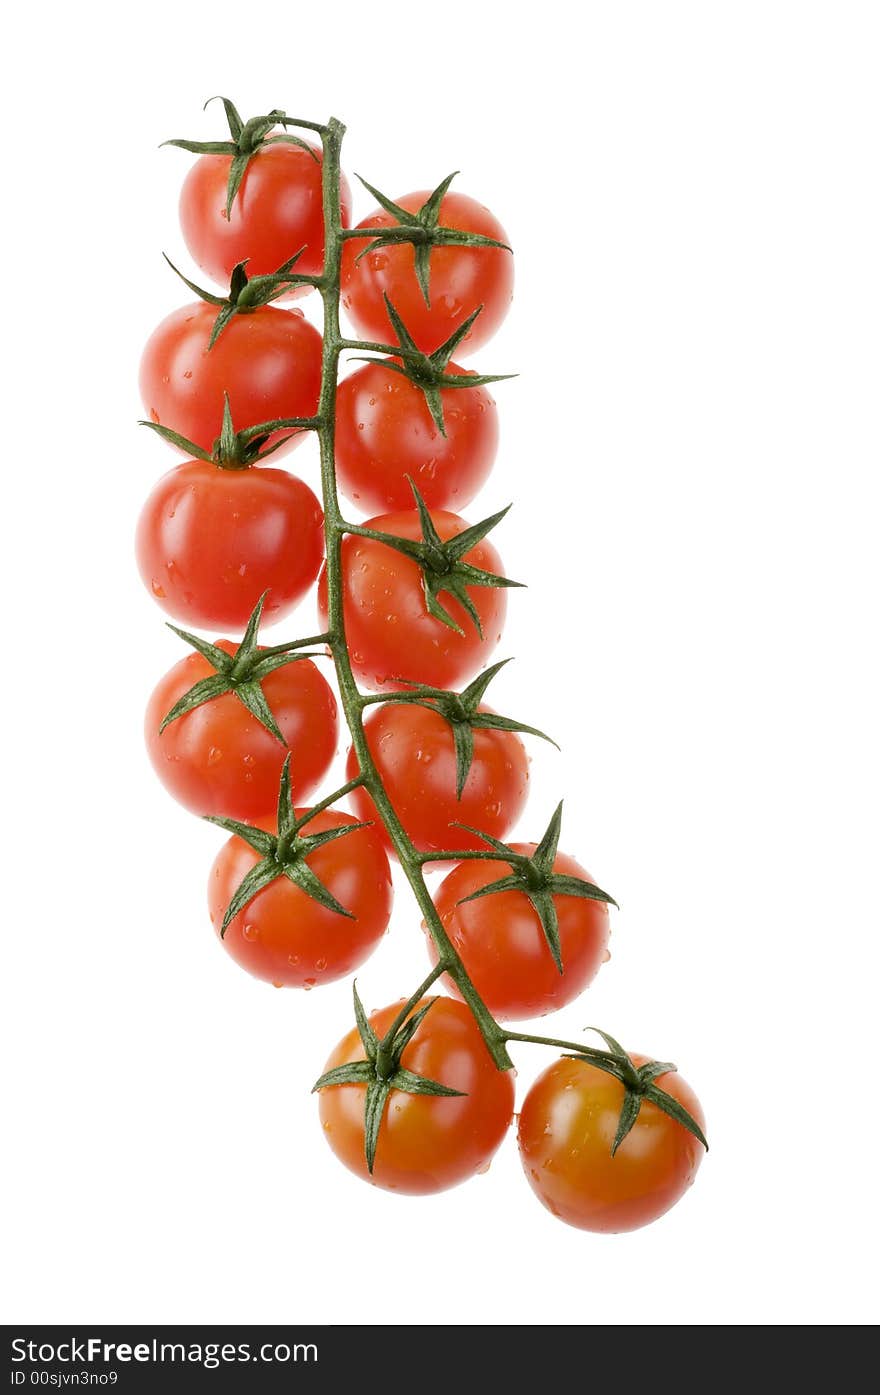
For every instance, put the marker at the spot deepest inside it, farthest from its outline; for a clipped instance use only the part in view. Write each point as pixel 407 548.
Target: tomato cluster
pixel 411 603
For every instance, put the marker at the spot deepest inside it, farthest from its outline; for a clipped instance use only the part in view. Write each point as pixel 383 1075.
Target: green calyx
pixel 284 854
pixel 236 450
pixel 441 563
pixel 535 878
pixel 381 1070
pixel 241 673
pixel 423 229
pixel 245 139
pixel 639 1084
pixel 246 294
pixel 428 371
pixel 462 712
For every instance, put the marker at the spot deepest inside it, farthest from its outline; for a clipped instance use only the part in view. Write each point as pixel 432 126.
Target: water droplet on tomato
pixel 250 931
pixel 320 965
pixel 483 1168
pixel 188 373
pixel 309 984
pixel 606 955
pixel 214 755
pixel 158 591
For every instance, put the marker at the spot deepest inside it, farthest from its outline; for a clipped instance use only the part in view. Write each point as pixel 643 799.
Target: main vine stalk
pixel 335 528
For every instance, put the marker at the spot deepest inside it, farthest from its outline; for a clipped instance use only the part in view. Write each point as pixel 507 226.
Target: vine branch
pixel 335 527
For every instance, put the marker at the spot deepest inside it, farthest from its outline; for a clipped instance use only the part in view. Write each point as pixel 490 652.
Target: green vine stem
pixel 335 528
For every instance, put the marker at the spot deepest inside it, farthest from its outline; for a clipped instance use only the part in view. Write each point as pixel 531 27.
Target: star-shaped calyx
pixel 442 566
pixel 235 450
pixel 245 139
pixel 381 1070
pixel 245 293
pixel 424 230
pixel 639 1084
pixel 461 711
pixel 428 371
pixel 283 854
pixel 534 876
pixel 241 673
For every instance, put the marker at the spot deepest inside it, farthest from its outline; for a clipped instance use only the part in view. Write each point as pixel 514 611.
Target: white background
pixel 692 448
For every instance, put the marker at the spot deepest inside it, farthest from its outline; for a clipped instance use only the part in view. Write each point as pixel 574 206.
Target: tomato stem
pixel 385 1055
pixel 335 528
pixel 336 795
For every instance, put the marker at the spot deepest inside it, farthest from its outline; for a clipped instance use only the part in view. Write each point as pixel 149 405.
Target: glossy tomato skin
pixel 210 541
pixel 426 1143
pixel 285 937
pixel 276 211
pixel 414 749
pixel 502 944
pixel 390 634
pixel 218 759
pixel 385 433
pixel 267 360
pixel 566 1128
pixel 462 279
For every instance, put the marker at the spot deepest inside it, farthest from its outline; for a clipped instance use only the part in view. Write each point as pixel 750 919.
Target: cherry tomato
pixel 426 1142
pixel 210 541
pixel 414 750
pixel 390 633
pixel 502 943
pixel 384 433
pixel 277 210
pixel 218 759
pixel 462 279
pixel 267 360
pixel 286 937
pixel 567 1125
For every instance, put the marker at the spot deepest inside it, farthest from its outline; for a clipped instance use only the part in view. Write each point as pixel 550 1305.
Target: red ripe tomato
pixel 500 939
pixel 462 279
pixel 414 750
pixel 210 541
pixel 218 759
pixel 267 360
pixel 426 1142
pixel 286 937
pixel 276 211
pixel 390 633
pixel 567 1126
pixel 384 433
